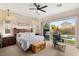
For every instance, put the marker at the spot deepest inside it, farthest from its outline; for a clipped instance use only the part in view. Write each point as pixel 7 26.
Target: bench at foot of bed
pixel 38 46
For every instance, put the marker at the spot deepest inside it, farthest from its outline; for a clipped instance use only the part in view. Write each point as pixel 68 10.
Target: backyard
pixel 66 27
pixel 69 39
pixel 72 42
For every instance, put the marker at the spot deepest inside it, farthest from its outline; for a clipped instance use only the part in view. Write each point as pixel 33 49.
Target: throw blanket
pixel 26 39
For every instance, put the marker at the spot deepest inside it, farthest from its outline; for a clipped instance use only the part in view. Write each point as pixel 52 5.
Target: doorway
pixel 67 27
pixel 46 30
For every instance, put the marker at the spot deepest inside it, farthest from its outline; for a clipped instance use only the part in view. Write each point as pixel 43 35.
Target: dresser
pixel 1 43
pixel 7 41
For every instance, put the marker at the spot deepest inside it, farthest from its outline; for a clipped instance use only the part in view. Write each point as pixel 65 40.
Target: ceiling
pixel 52 9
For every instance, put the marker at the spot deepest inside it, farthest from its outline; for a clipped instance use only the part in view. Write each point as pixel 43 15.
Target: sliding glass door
pixel 67 27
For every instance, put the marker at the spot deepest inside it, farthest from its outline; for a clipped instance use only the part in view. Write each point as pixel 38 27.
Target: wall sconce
pixel 8 12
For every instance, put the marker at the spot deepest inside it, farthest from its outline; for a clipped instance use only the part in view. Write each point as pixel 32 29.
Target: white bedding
pixel 26 39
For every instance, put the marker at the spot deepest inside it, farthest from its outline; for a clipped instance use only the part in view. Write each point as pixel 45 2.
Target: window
pixel 7 27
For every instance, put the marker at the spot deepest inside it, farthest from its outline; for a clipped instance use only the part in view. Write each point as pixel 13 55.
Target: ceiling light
pixel 59 5
pixel 38 12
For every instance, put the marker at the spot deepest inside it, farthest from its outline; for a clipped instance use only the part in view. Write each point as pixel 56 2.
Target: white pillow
pixel 21 34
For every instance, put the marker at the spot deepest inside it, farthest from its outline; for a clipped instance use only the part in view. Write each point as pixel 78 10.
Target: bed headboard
pixel 21 30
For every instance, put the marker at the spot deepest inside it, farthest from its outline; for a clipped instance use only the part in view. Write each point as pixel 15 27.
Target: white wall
pixel 15 19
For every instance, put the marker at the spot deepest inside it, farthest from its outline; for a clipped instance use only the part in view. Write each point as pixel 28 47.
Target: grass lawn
pixel 70 41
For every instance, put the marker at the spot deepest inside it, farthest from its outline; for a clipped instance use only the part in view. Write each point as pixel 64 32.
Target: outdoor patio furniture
pixel 61 46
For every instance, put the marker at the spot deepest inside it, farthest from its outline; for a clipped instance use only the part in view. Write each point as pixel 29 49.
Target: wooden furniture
pixel 16 30
pixel 35 46
pixel 21 30
pixel 7 41
pixel 1 43
pixel 38 46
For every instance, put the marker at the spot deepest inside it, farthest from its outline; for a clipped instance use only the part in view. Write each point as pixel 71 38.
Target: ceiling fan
pixel 38 7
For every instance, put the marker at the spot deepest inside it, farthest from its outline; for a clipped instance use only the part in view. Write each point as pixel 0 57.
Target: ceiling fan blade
pixel 43 7
pixel 35 5
pixel 43 10
pixel 32 8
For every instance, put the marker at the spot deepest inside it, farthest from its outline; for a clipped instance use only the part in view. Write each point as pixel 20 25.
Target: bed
pixel 25 38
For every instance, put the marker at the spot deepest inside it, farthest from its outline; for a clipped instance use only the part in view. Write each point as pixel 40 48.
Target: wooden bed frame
pixel 16 30
pixel 21 30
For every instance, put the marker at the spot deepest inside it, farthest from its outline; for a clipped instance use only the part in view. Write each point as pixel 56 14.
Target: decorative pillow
pixel 18 34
